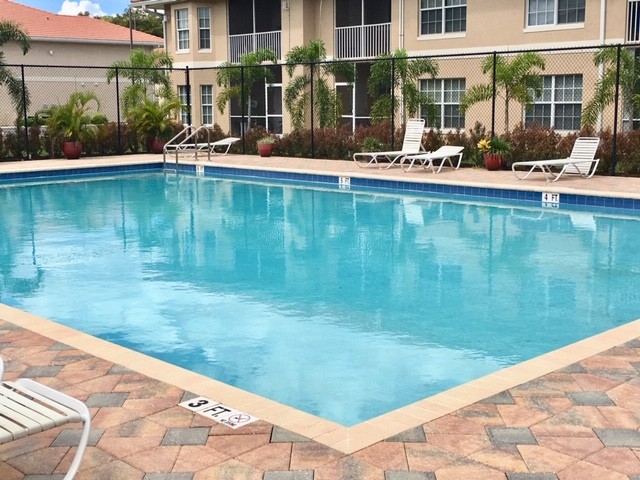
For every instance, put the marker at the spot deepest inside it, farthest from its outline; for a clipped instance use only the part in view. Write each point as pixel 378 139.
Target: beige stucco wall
pixel 501 25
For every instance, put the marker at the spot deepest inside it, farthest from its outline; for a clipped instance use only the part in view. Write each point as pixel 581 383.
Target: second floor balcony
pixel 362 41
pixel 250 42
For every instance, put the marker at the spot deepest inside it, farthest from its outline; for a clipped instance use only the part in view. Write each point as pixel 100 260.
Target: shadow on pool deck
pixel 578 422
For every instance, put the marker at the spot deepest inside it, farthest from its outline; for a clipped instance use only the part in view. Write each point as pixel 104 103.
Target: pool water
pixel 343 304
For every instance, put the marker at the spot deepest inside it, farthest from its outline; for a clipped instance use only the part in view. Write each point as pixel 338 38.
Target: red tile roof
pixel 41 25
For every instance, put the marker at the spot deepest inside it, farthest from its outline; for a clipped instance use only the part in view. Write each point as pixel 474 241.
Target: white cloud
pixel 73 8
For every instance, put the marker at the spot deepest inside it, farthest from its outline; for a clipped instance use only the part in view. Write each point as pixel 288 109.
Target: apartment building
pixel 457 34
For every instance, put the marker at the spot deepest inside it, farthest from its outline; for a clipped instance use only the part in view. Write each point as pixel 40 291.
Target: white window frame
pixel 555 22
pixel 445 6
pixel 204 31
pixel 445 97
pixel 182 26
pixel 552 94
pixel 206 105
pixel 267 105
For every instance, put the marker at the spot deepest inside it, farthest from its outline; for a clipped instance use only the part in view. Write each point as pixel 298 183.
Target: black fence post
pixel 119 129
pixel 24 115
pixel 188 87
pixel 393 103
pixel 243 106
pixel 614 145
pixel 493 94
pixel 311 104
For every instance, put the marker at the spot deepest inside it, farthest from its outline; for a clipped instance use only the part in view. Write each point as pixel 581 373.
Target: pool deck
pixel 570 414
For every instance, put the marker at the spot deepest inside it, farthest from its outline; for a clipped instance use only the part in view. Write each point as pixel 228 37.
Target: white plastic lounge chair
pixel 412 144
pixel 582 162
pixel 225 142
pixel 444 154
pixel 28 407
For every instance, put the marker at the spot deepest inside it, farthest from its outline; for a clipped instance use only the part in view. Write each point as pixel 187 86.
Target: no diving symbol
pixel 239 418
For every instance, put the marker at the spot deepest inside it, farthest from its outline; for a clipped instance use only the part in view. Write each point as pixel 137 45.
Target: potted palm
pixel 265 146
pixel 155 119
pixel 73 122
pixel 494 152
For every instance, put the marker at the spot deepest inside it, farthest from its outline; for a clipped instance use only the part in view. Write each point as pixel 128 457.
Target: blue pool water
pixel 342 304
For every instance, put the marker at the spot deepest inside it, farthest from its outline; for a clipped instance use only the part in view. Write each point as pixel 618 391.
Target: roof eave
pixel 152 3
pixel 94 41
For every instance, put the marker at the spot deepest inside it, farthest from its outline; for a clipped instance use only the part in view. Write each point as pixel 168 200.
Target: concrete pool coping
pixel 342 439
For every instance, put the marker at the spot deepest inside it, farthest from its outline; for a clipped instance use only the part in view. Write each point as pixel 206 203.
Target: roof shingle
pixel 42 25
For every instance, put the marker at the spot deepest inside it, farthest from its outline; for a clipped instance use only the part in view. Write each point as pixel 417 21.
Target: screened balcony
pixel 250 42
pixel 362 30
pixel 254 24
pixel 363 41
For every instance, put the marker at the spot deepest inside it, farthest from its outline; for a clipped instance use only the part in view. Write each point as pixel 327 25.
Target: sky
pixel 68 7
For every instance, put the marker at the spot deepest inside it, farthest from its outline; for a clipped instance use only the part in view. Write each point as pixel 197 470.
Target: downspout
pixel 401 24
pixel 401 43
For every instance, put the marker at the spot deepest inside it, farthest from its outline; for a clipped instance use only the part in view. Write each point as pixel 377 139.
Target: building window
pixel 182 29
pixel 442 16
pixel 264 107
pixel 354 98
pixel 555 12
pixel 183 95
pixel 206 104
pixel 445 94
pixel 559 105
pixel 204 28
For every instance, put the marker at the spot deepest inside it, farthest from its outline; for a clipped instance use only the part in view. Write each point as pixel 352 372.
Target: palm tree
pixel 605 90
pixel 10 31
pixel 297 94
pixel 517 80
pixel 406 76
pixel 249 71
pixel 146 71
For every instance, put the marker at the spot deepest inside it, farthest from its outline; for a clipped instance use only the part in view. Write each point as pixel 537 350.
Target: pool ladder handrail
pixel 186 146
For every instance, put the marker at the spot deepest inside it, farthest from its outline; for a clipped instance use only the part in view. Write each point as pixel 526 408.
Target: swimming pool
pixel 343 304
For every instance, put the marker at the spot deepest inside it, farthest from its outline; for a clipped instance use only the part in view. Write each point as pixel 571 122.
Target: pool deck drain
pixel 569 414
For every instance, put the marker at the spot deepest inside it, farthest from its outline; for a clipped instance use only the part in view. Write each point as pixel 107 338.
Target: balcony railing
pixel 250 42
pixel 633 21
pixel 363 41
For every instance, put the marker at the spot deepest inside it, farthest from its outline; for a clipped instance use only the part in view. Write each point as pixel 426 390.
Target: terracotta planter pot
pixel 72 150
pixel 265 149
pixel 493 161
pixel 157 145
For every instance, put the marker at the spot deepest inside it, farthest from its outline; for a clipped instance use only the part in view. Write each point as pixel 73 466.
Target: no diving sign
pixel 218 412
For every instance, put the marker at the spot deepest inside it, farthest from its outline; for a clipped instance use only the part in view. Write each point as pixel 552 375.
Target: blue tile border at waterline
pixel 80 171
pixel 483 193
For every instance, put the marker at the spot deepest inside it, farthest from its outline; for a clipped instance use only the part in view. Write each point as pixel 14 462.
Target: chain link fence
pixel 532 97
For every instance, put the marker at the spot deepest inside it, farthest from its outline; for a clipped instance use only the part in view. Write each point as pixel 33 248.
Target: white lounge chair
pixel 225 142
pixel 28 407
pixel 412 144
pixel 582 162
pixel 426 160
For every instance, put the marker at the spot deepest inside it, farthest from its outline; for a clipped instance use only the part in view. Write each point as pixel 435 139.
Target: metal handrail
pixel 184 146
